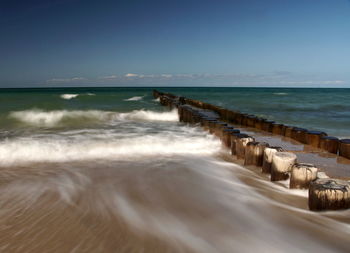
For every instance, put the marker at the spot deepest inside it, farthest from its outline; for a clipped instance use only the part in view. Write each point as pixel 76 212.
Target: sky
pixel 277 43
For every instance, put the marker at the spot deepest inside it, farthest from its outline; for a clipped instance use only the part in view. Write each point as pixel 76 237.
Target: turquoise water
pixel 315 109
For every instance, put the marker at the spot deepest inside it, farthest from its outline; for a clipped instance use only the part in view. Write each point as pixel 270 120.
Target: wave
pixel 137 98
pixel 41 118
pixel 23 150
pixel 280 93
pixel 69 96
pixel 149 115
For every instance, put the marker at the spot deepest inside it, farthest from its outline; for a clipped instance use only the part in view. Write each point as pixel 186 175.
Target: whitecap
pixel 149 115
pixel 137 98
pixel 36 117
pixel 41 118
pixel 23 150
pixel 280 93
pixel 69 96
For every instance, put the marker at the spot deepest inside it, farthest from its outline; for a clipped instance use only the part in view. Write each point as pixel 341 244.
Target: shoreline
pixel 299 154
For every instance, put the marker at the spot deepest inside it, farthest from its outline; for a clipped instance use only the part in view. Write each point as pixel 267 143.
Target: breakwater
pixel 280 162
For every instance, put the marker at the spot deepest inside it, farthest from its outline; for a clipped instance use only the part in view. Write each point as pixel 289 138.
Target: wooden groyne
pixel 263 145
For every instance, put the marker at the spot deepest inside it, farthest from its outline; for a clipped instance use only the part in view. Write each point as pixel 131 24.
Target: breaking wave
pixel 137 98
pixel 41 118
pixel 23 150
pixel 69 96
pixel 280 93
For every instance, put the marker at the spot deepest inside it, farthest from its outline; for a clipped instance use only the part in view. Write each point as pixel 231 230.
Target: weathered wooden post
pixel 288 131
pixel 254 152
pixel 180 112
pixel 155 94
pixel 301 175
pixel 244 119
pixel 234 138
pixel 239 118
pixel 282 163
pixel 223 114
pixel 330 144
pixel 277 129
pixel 241 143
pixel 219 126
pixel 251 121
pixel 344 148
pixel 267 125
pixel 212 126
pixel 329 194
pixel 182 100
pixel 299 134
pixel 267 159
pixel 226 136
pixel 313 138
pixel 259 123
pixel 205 122
pixel 230 115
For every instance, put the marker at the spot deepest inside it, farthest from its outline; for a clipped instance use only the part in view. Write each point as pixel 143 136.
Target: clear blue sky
pixel 172 42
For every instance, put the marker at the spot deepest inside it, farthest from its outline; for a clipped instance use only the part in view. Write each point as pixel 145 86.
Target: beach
pixel 110 170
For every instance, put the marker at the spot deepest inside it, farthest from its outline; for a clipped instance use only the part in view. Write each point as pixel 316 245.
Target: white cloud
pixel 274 79
pixel 314 82
pixel 166 75
pixel 131 75
pixel 78 78
pixel 66 80
pixel 111 77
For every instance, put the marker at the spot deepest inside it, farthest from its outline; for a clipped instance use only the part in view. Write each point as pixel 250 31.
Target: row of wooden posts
pixel 324 193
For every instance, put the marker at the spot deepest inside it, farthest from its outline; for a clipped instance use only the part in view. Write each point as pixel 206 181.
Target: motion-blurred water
pixel 110 170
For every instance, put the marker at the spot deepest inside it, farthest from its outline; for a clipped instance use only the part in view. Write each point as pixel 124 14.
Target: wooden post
pixel 288 131
pixel 219 126
pixel 226 136
pixel 240 118
pixel 234 138
pixel 277 129
pixel 267 159
pixel 329 194
pixel 251 120
pixel 212 126
pixel 344 148
pixel 329 144
pixel 299 134
pixel 258 123
pixel 313 138
pixel 254 152
pixel 301 176
pixel 282 163
pixel 267 125
pixel 241 142
pixel 244 119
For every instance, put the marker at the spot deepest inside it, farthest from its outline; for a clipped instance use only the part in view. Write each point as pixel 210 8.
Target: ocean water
pixel 311 108
pixel 110 170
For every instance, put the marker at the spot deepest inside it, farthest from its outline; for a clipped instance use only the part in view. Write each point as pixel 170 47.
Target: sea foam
pixel 69 96
pixel 23 150
pixel 41 118
pixel 137 98
pixel 280 93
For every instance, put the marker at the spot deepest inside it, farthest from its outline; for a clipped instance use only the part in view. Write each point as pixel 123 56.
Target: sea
pixel 111 170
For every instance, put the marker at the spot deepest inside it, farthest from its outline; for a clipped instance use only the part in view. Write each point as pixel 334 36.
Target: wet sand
pixel 168 204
